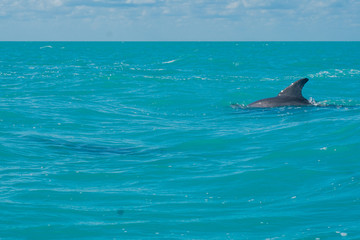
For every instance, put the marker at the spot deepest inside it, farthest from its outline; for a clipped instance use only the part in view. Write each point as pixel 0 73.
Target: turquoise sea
pixel 138 140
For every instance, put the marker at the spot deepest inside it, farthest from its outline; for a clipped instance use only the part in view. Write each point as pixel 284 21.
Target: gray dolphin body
pixel 290 96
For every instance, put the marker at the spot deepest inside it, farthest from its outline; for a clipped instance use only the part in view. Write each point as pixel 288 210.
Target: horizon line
pixel 179 40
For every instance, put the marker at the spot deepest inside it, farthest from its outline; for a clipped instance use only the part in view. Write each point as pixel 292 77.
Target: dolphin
pixel 290 96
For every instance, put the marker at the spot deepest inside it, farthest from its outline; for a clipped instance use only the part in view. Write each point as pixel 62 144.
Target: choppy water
pixel 138 141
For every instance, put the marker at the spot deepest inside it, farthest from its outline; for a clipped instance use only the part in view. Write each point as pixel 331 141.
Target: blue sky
pixel 179 20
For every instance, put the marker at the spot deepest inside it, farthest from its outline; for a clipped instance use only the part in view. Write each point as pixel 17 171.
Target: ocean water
pixel 138 140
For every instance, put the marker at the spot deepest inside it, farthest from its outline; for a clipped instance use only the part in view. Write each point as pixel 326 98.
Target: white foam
pixel 46 47
pixel 354 71
pixel 343 234
pixel 333 73
pixel 171 61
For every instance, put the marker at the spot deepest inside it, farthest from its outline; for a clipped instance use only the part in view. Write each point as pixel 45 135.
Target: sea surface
pixel 138 140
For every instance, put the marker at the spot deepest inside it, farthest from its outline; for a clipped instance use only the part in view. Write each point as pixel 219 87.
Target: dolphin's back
pixel 290 96
pixel 279 102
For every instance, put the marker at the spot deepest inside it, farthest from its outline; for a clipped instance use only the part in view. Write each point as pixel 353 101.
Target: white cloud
pixel 233 5
pixel 140 1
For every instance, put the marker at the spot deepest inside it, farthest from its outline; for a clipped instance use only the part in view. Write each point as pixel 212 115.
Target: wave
pixel 46 47
pixel 334 73
pixel 171 61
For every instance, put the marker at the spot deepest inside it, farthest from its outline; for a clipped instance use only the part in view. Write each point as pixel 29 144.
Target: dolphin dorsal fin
pixel 295 89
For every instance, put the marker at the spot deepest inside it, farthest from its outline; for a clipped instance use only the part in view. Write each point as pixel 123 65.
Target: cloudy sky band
pixel 325 20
